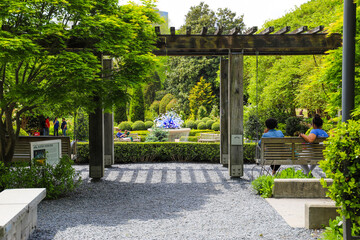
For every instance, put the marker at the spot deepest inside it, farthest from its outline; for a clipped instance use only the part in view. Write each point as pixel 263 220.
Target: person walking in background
pixel 317 123
pixel 56 127
pixel 63 126
pixel 47 127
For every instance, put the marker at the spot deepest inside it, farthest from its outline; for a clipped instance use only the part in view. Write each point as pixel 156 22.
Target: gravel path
pixel 165 201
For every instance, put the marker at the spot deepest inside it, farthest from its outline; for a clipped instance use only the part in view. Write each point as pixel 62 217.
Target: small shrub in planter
pixel 125 125
pixel 215 126
pixel 157 135
pixel 190 124
pixel 149 124
pixel 209 123
pixel 138 125
pixel 202 126
pixel 205 119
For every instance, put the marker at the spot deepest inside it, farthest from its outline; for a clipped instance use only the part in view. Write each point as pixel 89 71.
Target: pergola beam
pixel 270 44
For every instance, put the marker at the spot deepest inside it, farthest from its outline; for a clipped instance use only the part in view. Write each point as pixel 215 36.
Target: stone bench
pixel 317 215
pixel 299 188
pixel 209 137
pixel 18 212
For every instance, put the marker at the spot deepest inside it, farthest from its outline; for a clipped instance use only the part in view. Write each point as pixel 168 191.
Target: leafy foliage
pixel 137 107
pixel 201 95
pixel 209 123
pixel 157 135
pixel 138 125
pixel 201 112
pixel 125 125
pixel 37 66
pixel 190 124
pixel 164 102
pixel 264 184
pixel 202 126
pixel 59 180
pixel 82 125
pixel 253 128
pixel 120 112
pixel 164 152
pixel 294 126
pixel 149 124
pixel 334 231
pixel 342 165
pixel 215 126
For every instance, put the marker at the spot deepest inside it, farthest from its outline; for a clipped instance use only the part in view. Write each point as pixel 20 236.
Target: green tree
pixel 201 95
pixel 151 88
pixel 38 71
pixel 185 72
pixel 137 108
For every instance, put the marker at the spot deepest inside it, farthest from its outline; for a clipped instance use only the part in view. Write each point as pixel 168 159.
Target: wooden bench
pixel 291 151
pixel 135 137
pixel 23 146
pixel 209 137
pixel 18 212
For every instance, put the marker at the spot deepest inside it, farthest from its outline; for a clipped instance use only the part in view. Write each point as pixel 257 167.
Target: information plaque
pixel 46 151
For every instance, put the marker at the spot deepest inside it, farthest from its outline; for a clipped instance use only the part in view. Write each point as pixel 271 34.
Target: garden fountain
pixel 171 122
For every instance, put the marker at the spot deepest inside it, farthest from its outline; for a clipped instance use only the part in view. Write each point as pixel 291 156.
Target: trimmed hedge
pixel 125 125
pixel 215 126
pixel 202 126
pixel 209 123
pixel 190 124
pixel 197 132
pixel 138 125
pixel 132 152
pixel 188 139
pixel 149 124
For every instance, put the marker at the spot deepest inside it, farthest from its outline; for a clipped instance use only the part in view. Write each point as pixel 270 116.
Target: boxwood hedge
pixel 133 152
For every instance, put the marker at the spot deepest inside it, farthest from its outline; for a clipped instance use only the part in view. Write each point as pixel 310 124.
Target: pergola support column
pixel 224 131
pixel 96 143
pixel 235 115
pixel 108 122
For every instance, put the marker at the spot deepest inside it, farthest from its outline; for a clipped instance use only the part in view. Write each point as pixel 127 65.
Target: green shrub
pixel 202 126
pixel 138 125
pixel 59 180
pixel 215 126
pixel 209 123
pixel 205 119
pixel 137 105
pixel 23 132
pixel 154 107
pixel 334 231
pixel 190 124
pixel 157 135
pixel 172 105
pixel 197 122
pixel 149 124
pixel 201 113
pixel 215 112
pixel 188 139
pixel 294 126
pixel 197 132
pixel 164 102
pixel 82 126
pixel 126 152
pixel 159 95
pixel 120 112
pixel 264 184
pixel 341 163
pixel 125 125
pixel 253 128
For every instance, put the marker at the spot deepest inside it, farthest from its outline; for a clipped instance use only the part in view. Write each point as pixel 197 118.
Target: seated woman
pixel 317 123
pixel 271 132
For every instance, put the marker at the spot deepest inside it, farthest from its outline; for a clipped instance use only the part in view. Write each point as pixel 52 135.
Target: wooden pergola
pixel 233 46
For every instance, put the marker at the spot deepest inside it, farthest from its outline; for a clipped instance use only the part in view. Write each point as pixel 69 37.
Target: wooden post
pixel 108 122
pixel 224 131
pixel 235 115
pixel 96 143
pixel 96 138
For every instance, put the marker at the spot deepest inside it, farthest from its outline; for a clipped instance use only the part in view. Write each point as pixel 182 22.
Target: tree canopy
pixel 50 55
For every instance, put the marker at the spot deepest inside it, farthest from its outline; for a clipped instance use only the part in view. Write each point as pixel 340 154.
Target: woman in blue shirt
pixel 317 123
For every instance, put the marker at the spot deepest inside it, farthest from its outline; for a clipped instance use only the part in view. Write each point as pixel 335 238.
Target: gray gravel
pixel 165 201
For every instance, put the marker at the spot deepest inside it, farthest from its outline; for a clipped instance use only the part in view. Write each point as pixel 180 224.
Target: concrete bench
pixel 317 215
pixel 299 188
pixel 291 151
pixel 18 212
pixel 209 137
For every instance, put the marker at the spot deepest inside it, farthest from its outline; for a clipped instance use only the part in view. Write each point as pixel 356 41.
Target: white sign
pixel 49 150
pixel 236 140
